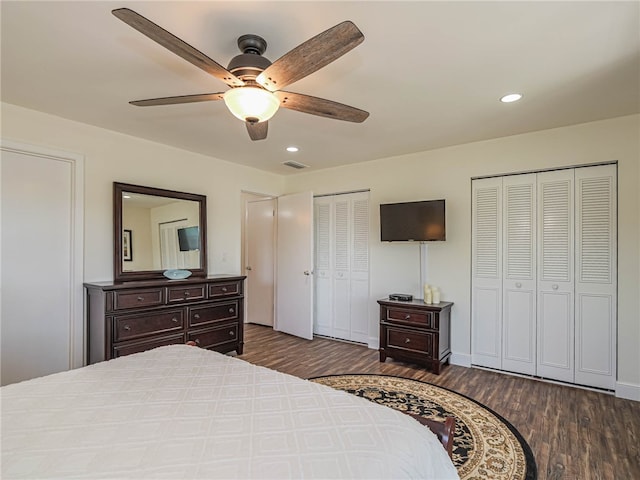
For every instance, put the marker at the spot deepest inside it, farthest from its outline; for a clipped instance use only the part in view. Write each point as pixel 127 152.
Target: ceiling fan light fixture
pixel 511 97
pixel 251 104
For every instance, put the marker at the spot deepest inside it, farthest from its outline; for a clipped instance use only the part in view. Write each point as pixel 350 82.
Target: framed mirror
pixel 157 230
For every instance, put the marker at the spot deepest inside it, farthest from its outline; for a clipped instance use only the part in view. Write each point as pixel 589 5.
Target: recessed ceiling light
pixel 292 149
pixel 126 196
pixel 512 97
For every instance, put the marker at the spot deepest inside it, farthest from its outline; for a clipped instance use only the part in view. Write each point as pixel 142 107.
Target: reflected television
pixel 189 239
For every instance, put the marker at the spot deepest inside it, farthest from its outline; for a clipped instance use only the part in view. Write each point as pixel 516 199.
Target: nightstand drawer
pixel 138 298
pixel 127 327
pixel 187 293
pixel 409 340
pixel 406 316
pixel 218 312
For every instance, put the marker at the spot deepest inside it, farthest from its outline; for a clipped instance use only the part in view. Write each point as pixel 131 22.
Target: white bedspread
pixel 184 412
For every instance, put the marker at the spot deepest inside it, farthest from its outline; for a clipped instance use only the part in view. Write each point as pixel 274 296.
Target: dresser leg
pixel 383 356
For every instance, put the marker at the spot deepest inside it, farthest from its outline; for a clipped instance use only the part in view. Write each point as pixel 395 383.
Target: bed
pixel 184 412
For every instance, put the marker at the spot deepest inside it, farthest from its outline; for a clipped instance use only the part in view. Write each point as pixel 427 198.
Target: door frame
pixel 77 333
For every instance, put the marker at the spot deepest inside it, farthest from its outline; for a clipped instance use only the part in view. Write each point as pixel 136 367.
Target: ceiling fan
pixel 255 82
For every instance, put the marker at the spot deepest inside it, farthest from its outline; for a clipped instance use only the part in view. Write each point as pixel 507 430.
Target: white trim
pixel 76 293
pixel 374 343
pixel 629 391
pixel 460 359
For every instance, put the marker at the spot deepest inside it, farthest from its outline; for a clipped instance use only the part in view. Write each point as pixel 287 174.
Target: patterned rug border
pixel 532 468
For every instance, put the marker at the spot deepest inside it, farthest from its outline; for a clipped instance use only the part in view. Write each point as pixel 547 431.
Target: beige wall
pixel 444 173
pixel 447 172
pixel 111 156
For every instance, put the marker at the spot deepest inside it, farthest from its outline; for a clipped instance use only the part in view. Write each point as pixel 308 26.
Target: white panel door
pixel 555 275
pixel 519 274
pixel 486 292
pixel 41 217
pixel 323 298
pixel 294 279
pixel 259 265
pixel 596 257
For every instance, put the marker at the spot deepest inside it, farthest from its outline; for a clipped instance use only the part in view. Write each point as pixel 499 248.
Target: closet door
pixel 486 294
pixel 596 273
pixel 519 274
pixel 359 286
pixel 323 298
pixel 555 275
pixel 342 266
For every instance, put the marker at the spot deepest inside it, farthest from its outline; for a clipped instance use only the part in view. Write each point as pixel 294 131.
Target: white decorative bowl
pixel 175 274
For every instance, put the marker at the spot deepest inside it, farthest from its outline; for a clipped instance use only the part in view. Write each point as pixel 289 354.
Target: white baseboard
pixel 374 343
pixel 460 359
pixel 628 391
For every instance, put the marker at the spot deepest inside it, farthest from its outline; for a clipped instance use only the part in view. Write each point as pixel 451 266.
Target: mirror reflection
pixel 159 233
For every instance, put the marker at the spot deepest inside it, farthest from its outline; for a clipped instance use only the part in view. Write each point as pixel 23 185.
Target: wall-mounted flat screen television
pixel 413 221
pixel 189 239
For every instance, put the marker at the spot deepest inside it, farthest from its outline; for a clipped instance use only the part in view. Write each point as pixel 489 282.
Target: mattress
pixel 185 412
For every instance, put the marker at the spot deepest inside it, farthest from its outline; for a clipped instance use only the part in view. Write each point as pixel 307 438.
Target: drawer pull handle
pixel 186 294
pixel 224 289
pixel 406 340
pixel 140 299
pixel 127 327
pixel 174 320
pixel 196 316
pixel 232 333
pixel 407 317
pixel 197 340
pixel 231 310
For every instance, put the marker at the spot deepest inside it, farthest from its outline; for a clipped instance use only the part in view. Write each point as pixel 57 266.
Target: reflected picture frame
pixel 127 245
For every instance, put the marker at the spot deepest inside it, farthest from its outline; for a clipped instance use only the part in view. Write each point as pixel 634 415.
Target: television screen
pixel 413 221
pixel 189 239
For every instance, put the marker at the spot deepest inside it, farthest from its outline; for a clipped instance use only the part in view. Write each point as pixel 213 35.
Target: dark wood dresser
pixel 415 332
pixel 129 317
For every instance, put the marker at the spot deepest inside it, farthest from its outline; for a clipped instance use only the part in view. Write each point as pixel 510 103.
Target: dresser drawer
pixel 217 290
pixel 212 313
pixel 127 327
pixel 134 347
pixel 187 293
pixel 406 316
pixel 138 298
pixel 408 340
pixel 214 337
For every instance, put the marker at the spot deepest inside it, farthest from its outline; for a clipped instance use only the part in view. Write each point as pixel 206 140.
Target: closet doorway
pixel 259 257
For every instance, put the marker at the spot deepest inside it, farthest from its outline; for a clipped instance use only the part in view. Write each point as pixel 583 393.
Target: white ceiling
pixel 430 73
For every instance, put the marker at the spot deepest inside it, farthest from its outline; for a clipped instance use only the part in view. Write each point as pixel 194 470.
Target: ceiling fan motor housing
pixel 250 63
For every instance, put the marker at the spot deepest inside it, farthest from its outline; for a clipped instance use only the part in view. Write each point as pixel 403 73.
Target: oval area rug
pixel 485 445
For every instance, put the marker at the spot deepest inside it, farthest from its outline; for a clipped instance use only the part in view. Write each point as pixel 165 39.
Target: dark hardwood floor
pixel 574 433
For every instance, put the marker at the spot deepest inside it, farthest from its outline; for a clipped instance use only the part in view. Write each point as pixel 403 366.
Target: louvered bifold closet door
pixel 555 275
pixel 323 298
pixel 341 268
pixel 596 272
pixel 359 246
pixel 519 274
pixel 486 291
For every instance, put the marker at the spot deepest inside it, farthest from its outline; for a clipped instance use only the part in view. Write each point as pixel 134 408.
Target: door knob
pixel 518 285
pixel 307 272
pixel 554 286
pixel 247 267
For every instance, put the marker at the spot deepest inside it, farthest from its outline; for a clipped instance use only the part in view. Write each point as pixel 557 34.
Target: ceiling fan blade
pixel 202 97
pixel 257 131
pixel 177 46
pixel 320 107
pixel 311 55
